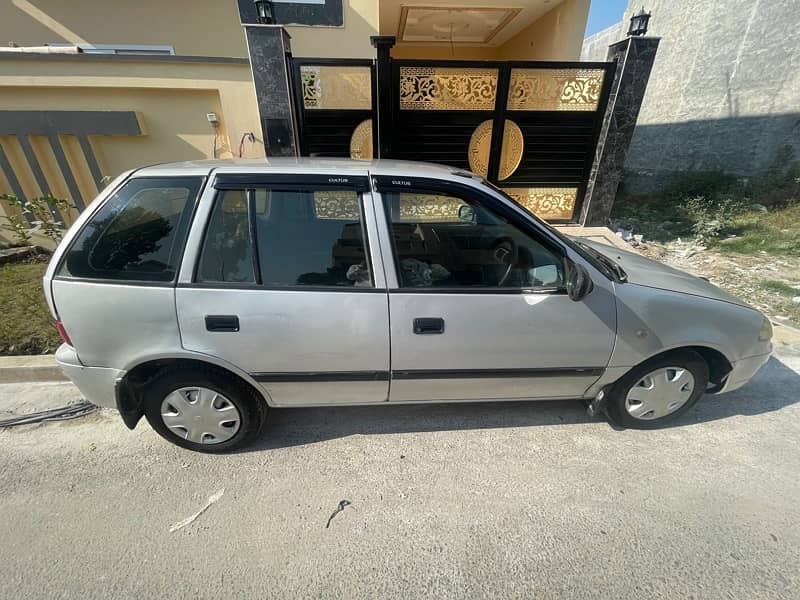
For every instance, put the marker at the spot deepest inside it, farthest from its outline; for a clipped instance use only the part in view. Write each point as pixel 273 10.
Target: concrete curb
pixel 24 369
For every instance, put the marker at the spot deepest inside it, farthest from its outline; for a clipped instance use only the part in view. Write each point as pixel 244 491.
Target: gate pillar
pixel 383 129
pixel 270 54
pixel 634 57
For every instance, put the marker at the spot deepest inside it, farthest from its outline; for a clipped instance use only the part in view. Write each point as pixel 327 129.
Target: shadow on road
pixel 775 387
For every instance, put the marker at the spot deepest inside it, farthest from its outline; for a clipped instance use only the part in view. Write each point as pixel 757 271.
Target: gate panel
pixel 438 108
pixel 559 109
pixel 335 102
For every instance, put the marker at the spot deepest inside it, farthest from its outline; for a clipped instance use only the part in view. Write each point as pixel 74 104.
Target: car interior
pixel 472 248
pixel 304 238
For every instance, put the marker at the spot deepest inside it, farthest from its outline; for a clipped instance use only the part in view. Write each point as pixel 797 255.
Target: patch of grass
pixel 656 219
pixel 662 219
pixel 708 206
pixel 779 287
pixel 26 326
pixel 776 233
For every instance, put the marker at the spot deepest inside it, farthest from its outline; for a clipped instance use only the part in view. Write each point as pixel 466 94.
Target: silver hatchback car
pixel 199 294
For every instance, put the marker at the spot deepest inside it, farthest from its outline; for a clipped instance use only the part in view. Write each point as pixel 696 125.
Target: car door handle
pixel 427 325
pixel 222 323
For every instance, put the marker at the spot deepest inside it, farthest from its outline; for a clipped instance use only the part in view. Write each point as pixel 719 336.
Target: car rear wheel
pixel 658 391
pixel 203 410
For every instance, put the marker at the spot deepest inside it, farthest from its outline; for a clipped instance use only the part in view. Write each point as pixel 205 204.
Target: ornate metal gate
pixel 448 112
pixel 550 115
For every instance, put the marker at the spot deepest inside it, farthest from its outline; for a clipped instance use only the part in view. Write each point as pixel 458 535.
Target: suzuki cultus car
pixel 200 294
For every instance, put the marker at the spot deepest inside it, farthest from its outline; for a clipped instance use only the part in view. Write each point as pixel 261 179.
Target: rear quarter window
pixel 138 234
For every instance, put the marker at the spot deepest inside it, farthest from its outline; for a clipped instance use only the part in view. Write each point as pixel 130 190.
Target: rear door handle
pixel 428 325
pixel 222 323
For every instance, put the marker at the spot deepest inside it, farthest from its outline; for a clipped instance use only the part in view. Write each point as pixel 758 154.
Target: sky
pixel 604 13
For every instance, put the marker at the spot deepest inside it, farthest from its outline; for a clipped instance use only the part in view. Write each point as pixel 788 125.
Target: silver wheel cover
pixel 660 393
pixel 200 415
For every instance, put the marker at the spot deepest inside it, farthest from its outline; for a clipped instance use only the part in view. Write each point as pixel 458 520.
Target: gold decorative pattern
pixel 341 205
pixel 429 208
pixel 446 88
pixel 546 203
pixel 555 89
pixel 326 87
pixel 510 153
pixel 361 141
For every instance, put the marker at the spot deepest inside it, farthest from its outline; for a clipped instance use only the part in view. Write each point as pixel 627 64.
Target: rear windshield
pixel 138 234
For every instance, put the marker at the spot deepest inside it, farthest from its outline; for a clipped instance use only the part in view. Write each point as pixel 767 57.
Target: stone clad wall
pixel 725 88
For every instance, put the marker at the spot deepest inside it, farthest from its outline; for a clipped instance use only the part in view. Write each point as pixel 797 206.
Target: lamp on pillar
pixel 639 23
pixel 264 12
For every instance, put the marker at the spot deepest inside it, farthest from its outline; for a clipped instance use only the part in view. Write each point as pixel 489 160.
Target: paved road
pixel 526 500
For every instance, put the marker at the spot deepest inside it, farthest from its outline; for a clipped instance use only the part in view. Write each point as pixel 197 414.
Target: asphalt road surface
pixel 512 500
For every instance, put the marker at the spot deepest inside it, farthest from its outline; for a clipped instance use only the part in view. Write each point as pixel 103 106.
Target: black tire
pixel 252 408
pixel 686 359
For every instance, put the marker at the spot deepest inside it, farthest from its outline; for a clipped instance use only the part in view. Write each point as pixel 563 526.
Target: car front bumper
pixel 743 371
pixel 97 384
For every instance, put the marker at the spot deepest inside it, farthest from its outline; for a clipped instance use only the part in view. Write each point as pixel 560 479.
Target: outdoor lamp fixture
pixel 639 23
pixel 264 12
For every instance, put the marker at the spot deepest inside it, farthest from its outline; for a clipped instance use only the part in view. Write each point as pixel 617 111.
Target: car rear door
pixel 282 283
pixel 477 300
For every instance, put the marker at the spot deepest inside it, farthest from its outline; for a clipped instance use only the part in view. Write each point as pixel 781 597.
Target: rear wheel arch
pixel 130 388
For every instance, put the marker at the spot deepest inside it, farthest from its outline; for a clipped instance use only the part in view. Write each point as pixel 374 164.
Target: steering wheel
pixel 505 252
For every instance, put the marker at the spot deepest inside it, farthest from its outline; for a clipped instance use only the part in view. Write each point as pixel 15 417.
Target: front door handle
pixel 428 325
pixel 222 323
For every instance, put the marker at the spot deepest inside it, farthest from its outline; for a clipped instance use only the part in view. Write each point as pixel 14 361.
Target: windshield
pixel 598 260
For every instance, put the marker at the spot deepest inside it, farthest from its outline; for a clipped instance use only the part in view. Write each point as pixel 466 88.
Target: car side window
pixel 138 234
pixel 445 241
pixel 227 254
pixel 293 238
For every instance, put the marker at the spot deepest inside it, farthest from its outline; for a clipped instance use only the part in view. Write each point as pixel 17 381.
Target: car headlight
pixel 765 334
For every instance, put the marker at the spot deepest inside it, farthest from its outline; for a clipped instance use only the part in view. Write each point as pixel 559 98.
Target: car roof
pixel 339 166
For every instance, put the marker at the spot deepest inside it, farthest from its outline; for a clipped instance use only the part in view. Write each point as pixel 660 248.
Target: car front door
pixel 282 284
pixel 477 300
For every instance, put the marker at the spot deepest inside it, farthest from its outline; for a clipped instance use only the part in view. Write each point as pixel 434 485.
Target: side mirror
pixel 579 283
pixel 466 213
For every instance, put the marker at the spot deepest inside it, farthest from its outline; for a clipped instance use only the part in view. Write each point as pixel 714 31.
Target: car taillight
pixel 63 333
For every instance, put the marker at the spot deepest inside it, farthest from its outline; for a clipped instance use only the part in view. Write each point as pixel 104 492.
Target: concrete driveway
pixel 523 500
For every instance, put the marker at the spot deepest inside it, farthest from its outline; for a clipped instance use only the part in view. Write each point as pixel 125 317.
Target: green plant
pixel 42 212
pixel 711 217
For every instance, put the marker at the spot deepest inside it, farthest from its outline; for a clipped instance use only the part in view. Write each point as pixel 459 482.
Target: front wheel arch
pixel 615 393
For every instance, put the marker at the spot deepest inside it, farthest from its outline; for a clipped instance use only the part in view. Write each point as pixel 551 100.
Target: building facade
pixel 89 89
pixel 723 90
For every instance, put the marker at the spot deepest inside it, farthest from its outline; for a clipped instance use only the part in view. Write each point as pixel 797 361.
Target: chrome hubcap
pixel 660 393
pixel 200 415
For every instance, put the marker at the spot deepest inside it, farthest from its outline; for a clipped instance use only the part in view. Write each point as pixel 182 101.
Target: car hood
pixel 650 273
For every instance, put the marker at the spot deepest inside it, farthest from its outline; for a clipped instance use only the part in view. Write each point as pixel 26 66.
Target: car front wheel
pixel 658 390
